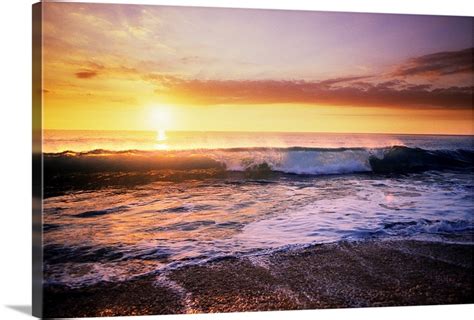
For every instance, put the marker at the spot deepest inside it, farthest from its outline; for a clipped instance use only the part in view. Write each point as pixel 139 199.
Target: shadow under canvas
pixel 25 309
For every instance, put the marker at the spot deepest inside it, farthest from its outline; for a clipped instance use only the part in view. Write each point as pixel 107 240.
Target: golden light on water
pixel 161 138
pixel 161 135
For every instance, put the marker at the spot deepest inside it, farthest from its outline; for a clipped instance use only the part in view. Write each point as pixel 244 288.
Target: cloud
pixel 386 89
pixel 438 64
pixel 394 93
pixel 86 74
pixel 389 89
pixel 330 82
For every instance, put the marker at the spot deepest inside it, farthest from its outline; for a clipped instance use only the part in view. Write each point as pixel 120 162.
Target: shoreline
pixel 370 273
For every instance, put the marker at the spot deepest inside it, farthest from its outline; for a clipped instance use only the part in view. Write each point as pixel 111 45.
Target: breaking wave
pixel 296 160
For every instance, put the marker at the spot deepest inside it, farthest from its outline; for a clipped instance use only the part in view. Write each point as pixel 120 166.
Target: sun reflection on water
pixel 161 138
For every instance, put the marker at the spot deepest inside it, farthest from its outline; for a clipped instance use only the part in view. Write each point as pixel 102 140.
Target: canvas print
pixel 198 160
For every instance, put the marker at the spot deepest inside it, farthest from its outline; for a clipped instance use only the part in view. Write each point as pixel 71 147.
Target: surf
pixel 294 160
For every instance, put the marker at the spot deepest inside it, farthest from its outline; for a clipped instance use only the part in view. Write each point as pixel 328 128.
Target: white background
pixel 15 159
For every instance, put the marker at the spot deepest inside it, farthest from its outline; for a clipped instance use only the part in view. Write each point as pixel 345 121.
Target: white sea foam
pixel 297 161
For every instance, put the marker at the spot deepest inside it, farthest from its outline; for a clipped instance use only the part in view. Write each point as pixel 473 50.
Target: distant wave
pixel 295 160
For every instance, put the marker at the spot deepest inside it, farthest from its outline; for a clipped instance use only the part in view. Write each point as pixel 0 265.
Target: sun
pixel 161 117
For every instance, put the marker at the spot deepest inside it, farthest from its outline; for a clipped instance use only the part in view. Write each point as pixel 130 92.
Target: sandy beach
pixel 340 275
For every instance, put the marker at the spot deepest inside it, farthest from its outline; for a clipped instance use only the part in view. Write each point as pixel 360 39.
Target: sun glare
pixel 161 117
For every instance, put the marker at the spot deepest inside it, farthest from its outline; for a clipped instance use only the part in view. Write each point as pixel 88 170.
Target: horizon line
pixel 269 131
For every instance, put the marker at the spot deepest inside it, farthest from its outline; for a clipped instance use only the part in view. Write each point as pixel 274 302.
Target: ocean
pixel 123 204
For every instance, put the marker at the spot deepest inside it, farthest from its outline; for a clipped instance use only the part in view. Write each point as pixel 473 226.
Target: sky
pixel 136 67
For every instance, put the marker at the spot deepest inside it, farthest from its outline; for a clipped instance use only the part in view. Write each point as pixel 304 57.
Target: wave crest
pixel 310 161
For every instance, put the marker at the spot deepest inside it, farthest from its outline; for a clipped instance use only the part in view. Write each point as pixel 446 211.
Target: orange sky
pixel 129 67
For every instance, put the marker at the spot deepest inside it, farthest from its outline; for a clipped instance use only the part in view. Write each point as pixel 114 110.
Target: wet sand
pixel 343 275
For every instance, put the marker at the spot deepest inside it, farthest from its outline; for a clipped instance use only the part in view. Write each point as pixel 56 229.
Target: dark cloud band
pixel 389 93
pixel 438 64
